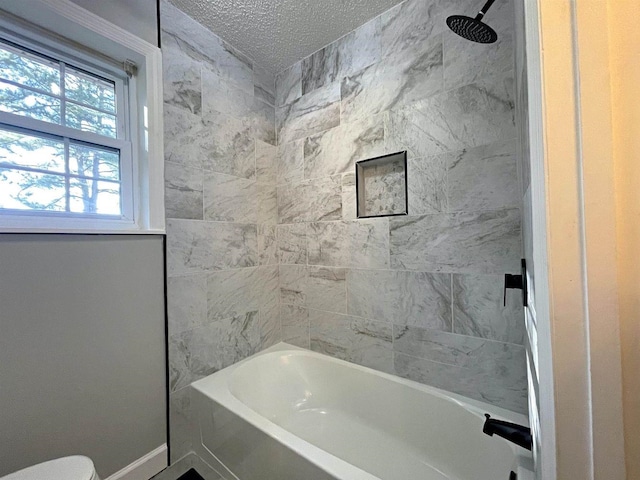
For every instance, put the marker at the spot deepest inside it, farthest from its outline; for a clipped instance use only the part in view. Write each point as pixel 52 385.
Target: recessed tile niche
pixel 381 186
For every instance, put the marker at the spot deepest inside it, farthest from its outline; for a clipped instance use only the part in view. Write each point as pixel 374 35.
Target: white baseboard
pixel 145 467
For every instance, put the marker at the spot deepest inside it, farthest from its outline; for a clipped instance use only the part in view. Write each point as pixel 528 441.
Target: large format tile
pixel 187 139
pixel 293 282
pixel 267 244
pixel 186 302
pixel 311 200
pixel 290 162
pixel 353 339
pixel 396 80
pixel 270 328
pixel 351 53
pixel 289 84
pixel 292 243
pixel 485 242
pixel 264 85
pixel 336 150
pixel 196 353
pixel 489 385
pixel 310 114
pixel 183 192
pixel 404 298
pixel 183 428
pixel 326 289
pixel 267 203
pixel 476 114
pixel 484 369
pixel 295 325
pixel 266 162
pixel 195 246
pixel 229 199
pixel 219 95
pixel 483 178
pixel 263 117
pixel 216 54
pixel 478 309
pixel 232 145
pixel 181 75
pixel 427 184
pixel 355 244
pixel 234 292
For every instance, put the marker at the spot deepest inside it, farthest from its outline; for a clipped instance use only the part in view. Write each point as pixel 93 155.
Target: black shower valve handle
pixel 483 10
pixel 517 281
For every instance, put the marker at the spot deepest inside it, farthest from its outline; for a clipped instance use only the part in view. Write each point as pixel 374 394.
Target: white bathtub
pixel 288 413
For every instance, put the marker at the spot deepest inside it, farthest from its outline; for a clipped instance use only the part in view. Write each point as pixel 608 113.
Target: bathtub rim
pixel 216 387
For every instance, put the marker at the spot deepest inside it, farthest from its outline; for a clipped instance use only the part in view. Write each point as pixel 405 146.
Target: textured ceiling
pixel 278 33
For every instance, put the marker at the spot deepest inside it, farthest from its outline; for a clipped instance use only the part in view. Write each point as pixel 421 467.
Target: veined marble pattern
pixel 264 85
pixel 195 246
pixel 218 95
pixel 326 289
pixel 196 353
pixel 235 292
pixel 394 81
pixel 267 203
pixel 465 62
pixel 383 191
pixel 351 53
pixel 290 161
pixel 356 244
pixel 293 281
pixel 267 244
pixel 499 365
pixel 187 139
pixel 411 24
pixel 349 204
pixel 186 302
pixel 223 59
pixel 483 178
pixel 427 184
pixel 484 242
pixel 181 75
pixel 479 311
pixel 405 298
pixel 295 325
pixel 336 150
pixel 353 339
pixel 270 328
pixel 230 199
pixel 183 192
pixel 264 121
pixel 311 200
pixel 310 114
pixel 181 424
pixel 266 166
pixel 490 385
pixel 292 243
pixel 476 114
pixel 289 85
pixel 232 146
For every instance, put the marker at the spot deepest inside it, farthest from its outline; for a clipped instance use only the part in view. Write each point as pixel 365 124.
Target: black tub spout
pixel 509 431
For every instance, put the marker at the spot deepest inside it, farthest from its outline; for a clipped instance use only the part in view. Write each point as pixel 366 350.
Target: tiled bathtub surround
pixel 418 296
pixel 222 213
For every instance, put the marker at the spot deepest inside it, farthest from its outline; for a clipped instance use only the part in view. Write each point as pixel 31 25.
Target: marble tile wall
pixel 418 296
pixel 221 173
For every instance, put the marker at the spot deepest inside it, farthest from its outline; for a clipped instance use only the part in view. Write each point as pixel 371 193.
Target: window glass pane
pixel 31 191
pixel 29 70
pixel 90 90
pixel 94 162
pixel 94 196
pixel 89 120
pixel 31 151
pixel 29 104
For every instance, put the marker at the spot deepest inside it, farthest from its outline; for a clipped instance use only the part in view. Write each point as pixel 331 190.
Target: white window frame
pixel 92 40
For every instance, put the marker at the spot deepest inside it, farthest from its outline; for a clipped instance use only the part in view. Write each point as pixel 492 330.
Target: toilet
pixel 67 468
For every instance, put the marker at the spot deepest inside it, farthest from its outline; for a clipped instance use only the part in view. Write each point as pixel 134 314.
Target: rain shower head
pixel 473 28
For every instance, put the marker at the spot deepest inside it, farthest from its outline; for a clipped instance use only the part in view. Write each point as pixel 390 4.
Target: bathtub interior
pixel 385 427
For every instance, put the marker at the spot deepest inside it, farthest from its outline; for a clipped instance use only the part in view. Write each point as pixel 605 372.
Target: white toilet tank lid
pixel 68 468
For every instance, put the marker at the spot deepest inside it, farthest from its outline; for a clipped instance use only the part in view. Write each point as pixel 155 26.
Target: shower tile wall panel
pixel 221 171
pixel 419 296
